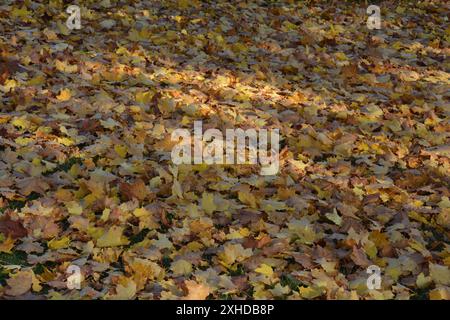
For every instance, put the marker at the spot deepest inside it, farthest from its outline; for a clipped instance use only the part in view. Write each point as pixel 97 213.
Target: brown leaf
pixel 254 243
pixel 137 190
pixel 20 283
pixel 349 71
pixel 304 259
pixel 7 68
pixel 246 217
pixel 359 257
pixel 32 184
pixel 12 228
pixel 89 125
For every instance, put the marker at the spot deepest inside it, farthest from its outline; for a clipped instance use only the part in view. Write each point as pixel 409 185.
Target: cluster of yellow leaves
pixel 86 176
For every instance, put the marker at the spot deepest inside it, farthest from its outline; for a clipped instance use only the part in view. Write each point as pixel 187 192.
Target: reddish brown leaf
pixel 11 227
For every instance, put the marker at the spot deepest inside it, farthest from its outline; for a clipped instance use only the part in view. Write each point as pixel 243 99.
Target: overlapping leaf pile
pixel 86 177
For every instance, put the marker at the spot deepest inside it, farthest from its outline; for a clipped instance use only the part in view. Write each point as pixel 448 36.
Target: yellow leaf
pixel 176 189
pixel 59 244
pixel 394 270
pixel 247 198
pixel 36 286
pixel 334 217
pixel 208 203
pixel 233 253
pixel 303 230
pixel 73 207
pixel 238 234
pixel 65 67
pixel 265 270
pixel 144 97
pixel 443 218
pixel 50 34
pixel 279 290
pixel 141 212
pixel 66 141
pixel 20 13
pixel 112 238
pixel 23 141
pixel 121 150
pixel 444 203
pixel 441 293
pixel 125 290
pixel 239 47
pixel 440 274
pixel 4 118
pixel 400 10
pixel 105 214
pixel 341 56
pixel 181 267
pixel 310 292
pixel 371 249
pixel 64 95
pixel 7 245
pixel 422 281
pixel 447 261
pixel 166 105
pixel 197 291
pixel 9 84
pixel 183 4
pixel 62 28
pixel 22 122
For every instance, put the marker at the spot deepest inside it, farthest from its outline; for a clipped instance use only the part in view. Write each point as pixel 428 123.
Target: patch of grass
pixel 170 216
pixel 3 276
pixel 290 281
pixel 16 204
pixel 64 166
pixel 166 261
pixel 39 268
pixel 420 294
pixel 19 204
pixel 140 236
pixel 238 271
pixel 14 258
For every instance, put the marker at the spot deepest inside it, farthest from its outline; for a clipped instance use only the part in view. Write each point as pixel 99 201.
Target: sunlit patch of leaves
pixel 85 132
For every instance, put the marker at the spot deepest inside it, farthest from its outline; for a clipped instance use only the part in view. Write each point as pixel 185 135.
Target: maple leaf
pixel 12 228
pixel 8 67
pixel 20 283
pixel 136 190
pixel 196 291
pixel 125 290
pixel 86 170
pixel 7 245
pixel 181 267
pixel 112 238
